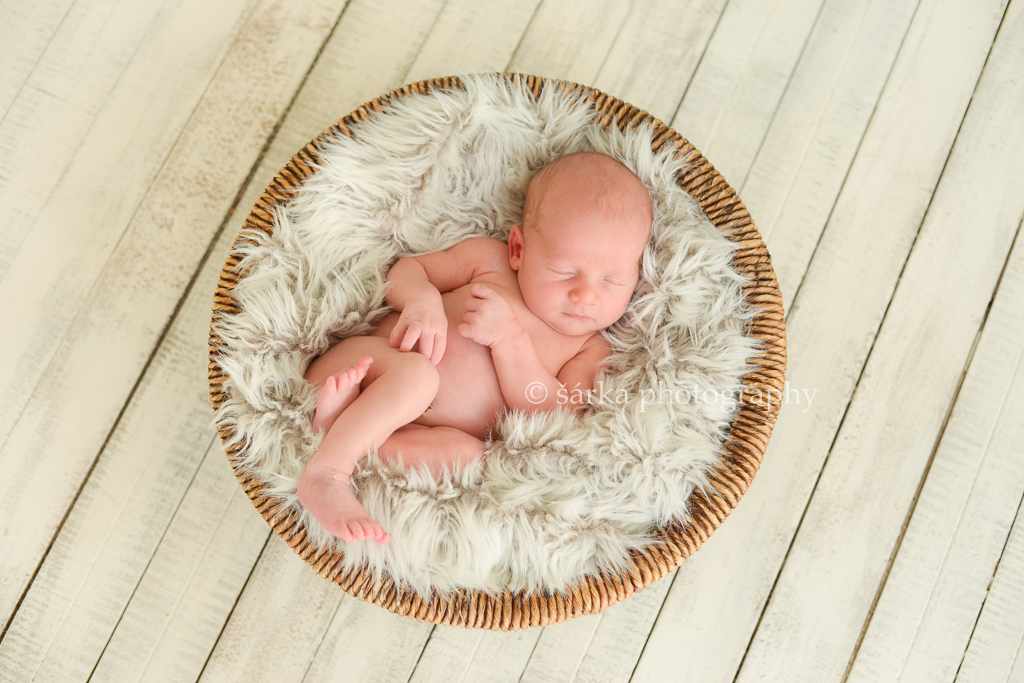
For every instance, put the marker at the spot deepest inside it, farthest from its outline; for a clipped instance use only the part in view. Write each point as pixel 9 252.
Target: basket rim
pixel 739 459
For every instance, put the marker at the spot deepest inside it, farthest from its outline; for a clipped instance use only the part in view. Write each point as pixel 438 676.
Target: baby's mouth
pixel 577 317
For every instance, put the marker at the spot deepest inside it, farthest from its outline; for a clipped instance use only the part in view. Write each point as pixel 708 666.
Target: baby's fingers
pixel 411 335
pixel 426 344
pixel 439 344
pixel 396 333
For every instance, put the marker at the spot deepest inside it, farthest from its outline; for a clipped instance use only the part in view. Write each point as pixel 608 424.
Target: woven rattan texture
pixel 674 542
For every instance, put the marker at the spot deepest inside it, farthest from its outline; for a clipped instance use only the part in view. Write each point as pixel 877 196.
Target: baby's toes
pixel 371 529
pixel 357 529
pixel 346 534
pixel 382 536
pixel 362 366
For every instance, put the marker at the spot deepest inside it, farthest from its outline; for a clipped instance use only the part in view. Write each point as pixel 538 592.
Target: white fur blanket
pixel 557 496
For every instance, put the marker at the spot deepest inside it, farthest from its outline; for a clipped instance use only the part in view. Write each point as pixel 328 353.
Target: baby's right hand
pixel 423 318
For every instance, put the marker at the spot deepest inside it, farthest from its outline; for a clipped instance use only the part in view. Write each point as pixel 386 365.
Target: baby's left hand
pixel 489 319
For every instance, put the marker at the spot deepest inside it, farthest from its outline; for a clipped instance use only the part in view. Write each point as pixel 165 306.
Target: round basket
pixel 671 544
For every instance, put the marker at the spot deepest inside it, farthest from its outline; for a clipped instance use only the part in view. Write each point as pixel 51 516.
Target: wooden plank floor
pixel 877 144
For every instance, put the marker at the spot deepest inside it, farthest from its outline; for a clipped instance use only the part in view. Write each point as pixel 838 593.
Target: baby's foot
pixel 331 501
pixel 338 392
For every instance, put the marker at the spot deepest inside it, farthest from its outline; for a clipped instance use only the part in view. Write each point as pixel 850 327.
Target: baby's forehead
pixel 572 249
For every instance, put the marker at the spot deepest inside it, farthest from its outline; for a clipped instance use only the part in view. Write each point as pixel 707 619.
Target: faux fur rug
pixel 557 496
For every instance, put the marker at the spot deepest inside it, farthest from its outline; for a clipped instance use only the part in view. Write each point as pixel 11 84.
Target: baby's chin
pixel 573 327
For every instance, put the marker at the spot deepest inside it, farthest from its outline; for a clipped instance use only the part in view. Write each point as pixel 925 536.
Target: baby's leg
pixel 432 447
pixel 395 390
pixel 338 392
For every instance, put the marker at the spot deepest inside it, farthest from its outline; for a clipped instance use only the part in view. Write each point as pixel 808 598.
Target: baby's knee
pixel 419 372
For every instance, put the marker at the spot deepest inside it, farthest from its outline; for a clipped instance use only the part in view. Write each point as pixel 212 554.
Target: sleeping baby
pixel 478 329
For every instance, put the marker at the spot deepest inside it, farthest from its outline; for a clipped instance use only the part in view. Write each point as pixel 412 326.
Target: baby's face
pixel 580 265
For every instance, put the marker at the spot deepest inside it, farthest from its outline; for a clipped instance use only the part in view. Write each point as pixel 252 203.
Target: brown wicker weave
pixel 674 542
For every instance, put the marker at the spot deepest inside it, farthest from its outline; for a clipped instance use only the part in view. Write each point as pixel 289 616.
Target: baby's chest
pixel 553 349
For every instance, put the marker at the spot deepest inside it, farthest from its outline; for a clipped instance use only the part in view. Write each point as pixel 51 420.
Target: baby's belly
pixel 468 396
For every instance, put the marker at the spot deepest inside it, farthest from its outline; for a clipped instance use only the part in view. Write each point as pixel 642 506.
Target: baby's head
pixel 586 222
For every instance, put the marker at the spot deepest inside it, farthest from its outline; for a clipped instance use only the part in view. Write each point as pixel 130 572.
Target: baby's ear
pixel 515 247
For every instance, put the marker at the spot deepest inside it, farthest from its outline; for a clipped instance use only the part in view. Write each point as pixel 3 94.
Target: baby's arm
pixel 416 285
pixel 527 385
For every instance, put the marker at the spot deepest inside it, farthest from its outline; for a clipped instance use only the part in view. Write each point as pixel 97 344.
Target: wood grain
pixel 48 102
pixel 26 29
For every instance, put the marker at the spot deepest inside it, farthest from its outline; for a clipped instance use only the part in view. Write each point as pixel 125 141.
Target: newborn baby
pixel 480 328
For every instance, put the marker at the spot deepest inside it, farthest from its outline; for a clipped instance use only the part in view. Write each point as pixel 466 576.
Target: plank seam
pixel 419 48
pixel 696 67
pixel 860 375
pixel 404 79
pixel 259 159
pixel 433 627
pixel 526 31
pixel 227 619
pixel 35 65
pixel 142 575
pixel 654 623
pixel 319 645
pixel 860 143
pixel 963 657
pixel 785 89
pixel 611 48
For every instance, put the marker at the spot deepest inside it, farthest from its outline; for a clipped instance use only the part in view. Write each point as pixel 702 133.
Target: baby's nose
pixel 583 294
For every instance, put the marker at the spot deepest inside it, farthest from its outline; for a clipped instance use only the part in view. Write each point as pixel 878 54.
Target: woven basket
pixel 738 462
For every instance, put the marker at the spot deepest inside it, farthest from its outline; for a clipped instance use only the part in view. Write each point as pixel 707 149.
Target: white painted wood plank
pixel 472 37
pixel 657 51
pixel 277 624
pixel 26 28
pixel 53 106
pixel 455 653
pixel 202 559
pixel 934 592
pixel 742 75
pixel 605 652
pixel 369 54
pixel 84 389
pixel 801 166
pixel 996 652
pixel 823 595
pixel 368 644
pixel 191 583
pixel 718 595
pixel 570 40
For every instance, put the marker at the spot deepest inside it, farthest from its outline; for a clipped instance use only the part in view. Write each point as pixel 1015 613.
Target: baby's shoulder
pixel 488 255
pixel 596 345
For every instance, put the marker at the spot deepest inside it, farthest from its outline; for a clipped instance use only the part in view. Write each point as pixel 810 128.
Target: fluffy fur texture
pixel 557 496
